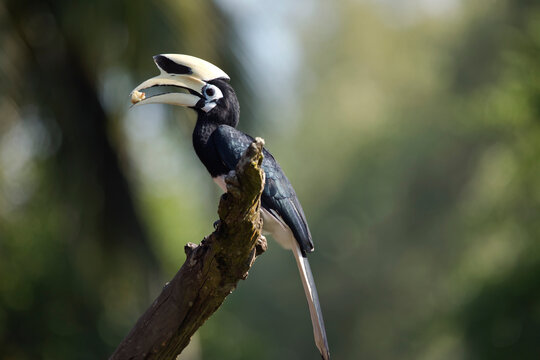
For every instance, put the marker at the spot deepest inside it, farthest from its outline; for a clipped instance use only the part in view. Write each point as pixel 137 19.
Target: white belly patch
pixel 276 227
pixel 220 181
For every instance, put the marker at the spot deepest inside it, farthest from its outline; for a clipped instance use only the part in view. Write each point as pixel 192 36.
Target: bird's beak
pixel 184 71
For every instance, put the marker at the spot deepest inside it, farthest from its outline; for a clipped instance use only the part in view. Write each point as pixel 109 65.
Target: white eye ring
pixel 211 94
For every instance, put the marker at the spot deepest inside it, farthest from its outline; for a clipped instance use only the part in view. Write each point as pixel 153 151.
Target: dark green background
pixel 411 136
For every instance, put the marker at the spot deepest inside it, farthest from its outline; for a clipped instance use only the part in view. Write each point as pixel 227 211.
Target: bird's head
pixel 209 91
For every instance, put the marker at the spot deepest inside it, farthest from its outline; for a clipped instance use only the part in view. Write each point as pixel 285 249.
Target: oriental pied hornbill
pixel 220 145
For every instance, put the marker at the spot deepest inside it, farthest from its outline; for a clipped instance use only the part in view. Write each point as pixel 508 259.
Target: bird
pixel 219 145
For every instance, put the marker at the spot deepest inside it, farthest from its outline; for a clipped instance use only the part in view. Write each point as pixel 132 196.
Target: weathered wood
pixel 211 271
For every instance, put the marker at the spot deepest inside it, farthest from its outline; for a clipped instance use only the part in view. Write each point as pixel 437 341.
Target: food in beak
pixel 137 96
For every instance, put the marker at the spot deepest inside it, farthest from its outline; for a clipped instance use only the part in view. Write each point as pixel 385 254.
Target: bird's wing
pixel 278 196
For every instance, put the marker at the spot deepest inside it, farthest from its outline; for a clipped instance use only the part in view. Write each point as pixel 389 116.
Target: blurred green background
pixel 410 130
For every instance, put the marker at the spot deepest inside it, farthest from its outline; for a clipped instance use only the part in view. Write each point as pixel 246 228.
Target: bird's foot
pixel 261 245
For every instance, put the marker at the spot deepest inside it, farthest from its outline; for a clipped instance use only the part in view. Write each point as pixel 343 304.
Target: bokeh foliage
pixel 414 151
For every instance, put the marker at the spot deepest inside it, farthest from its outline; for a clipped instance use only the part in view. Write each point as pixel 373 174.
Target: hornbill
pixel 219 146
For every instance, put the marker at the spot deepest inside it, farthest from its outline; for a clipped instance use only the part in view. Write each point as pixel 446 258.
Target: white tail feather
pixel 319 332
pixel 283 235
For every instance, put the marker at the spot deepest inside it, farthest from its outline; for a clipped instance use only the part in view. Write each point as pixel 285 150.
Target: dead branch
pixel 211 271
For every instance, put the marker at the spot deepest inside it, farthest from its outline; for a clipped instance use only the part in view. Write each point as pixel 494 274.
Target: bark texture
pixel 211 271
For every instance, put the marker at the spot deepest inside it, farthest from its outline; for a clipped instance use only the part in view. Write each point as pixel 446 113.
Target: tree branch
pixel 211 271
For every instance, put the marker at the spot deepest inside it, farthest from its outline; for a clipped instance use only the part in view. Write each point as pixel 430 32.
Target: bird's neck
pixel 203 129
pixel 205 149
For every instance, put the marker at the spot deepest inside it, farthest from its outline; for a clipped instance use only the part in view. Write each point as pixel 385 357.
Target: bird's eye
pixel 210 91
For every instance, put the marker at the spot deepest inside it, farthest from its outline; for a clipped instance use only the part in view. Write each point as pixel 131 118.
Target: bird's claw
pixel 261 245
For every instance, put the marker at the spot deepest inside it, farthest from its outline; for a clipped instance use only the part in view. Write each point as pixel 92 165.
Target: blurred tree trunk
pixel 88 170
pixel 80 229
pixel 98 235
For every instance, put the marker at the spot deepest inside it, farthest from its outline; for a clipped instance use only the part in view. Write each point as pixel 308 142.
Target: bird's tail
pixel 319 332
